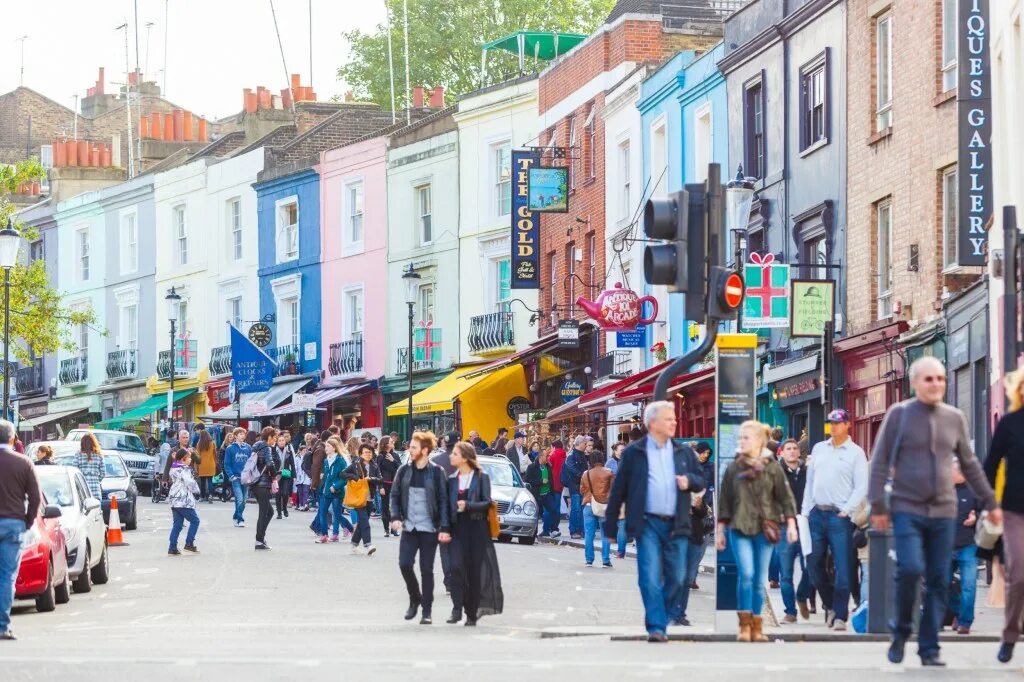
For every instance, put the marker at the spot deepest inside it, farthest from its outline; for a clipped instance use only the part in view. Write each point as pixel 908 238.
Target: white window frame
pixel 883 95
pixel 82 255
pixel 129 242
pixel 234 211
pixel 179 228
pixel 234 317
pixel 659 174
pixel 424 221
pixel 500 207
pixel 590 130
pixel 885 272
pixel 950 44
pixel 349 332
pixel 553 284
pixel 426 300
pixel 285 289
pixel 625 175
pixel 703 145
pixel 295 317
pixel 350 246
pixel 592 248
pixel 127 298
pixel 286 235
pixel 950 211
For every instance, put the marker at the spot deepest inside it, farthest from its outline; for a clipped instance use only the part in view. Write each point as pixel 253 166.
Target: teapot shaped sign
pixel 619 309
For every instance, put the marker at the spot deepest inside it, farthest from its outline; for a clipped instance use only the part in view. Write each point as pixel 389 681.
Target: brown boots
pixel 750 628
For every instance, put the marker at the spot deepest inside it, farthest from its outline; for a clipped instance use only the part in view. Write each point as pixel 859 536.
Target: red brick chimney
pixel 417 96
pixel 437 97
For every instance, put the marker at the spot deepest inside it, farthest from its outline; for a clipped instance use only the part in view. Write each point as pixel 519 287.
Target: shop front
pixel 188 410
pixel 967 370
pixel 62 415
pixel 795 388
pixel 143 419
pixel 250 406
pixel 692 394
pixel 395 389
pixel 218 393
pixel 352 404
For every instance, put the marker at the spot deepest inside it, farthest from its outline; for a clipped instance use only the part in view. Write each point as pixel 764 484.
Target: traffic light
pixel 725 293
pixel 666 219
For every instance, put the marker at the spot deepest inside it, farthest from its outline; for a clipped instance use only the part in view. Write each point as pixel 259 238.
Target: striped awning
pixel 322 398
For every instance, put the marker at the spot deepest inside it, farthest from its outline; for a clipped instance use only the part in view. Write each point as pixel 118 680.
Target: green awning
pixel 140 412
pixel 538 44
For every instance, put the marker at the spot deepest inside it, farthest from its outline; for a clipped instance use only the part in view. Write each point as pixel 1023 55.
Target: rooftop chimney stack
pixel 437 98
pixel 417 96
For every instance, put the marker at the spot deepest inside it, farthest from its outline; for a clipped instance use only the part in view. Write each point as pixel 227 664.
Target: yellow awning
pixel 441 396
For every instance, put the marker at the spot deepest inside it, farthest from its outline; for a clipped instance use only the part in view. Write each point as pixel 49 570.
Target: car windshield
pixel 56 485
pixel 502 473
pixel 124 442
pixel 112 465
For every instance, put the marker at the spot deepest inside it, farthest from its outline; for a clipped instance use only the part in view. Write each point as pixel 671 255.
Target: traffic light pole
pixel 680 365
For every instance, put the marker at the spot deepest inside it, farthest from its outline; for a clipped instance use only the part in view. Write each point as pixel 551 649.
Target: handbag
pixel 598 508
pixel 493 524
pixel 987 534
pixel 274 486
pixel 772 530
pixel 357 493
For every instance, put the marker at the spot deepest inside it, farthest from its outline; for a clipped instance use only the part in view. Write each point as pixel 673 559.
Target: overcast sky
pixel 215 47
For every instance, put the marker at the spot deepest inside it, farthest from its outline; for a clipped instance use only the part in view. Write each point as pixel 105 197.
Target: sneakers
pixel 174 552
pixel 278 517
pixel 345 533
pixel 607 564
pixel 370 549
pixel 773 584
pixel 192 548
pixel 590 564
pixel 682 620
pixel 426 619
pixel 576 536
pixel 357 549
pixel 334 538
pixel 239 524
pixel 395 533
pixel 9 635
pixel 839 625
pixel 321 540
pixel 262 545
pixel 555 534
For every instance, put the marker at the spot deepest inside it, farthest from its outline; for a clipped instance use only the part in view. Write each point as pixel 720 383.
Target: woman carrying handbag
pixel 363 475
pixel 284 453
pixel 595 486
pixel 269 467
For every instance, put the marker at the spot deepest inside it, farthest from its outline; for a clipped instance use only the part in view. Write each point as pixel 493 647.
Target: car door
pixel 94 517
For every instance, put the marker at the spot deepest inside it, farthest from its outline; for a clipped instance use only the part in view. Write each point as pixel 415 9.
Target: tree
pixel 40 322
pixel 445 39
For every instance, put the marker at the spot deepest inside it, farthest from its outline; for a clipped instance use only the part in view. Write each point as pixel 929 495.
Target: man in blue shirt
pixel 235 457
pixel 653 485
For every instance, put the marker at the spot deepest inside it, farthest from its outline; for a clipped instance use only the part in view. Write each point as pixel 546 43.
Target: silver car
pixel 517 508
pixel 141 465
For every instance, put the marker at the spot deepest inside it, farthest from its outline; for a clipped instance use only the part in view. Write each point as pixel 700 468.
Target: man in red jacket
pixel 557 459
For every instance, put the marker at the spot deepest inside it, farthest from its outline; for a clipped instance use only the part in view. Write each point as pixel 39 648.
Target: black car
pixel 117 482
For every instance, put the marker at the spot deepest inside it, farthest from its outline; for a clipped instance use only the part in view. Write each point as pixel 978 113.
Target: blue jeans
pixel 775 566
pixel 753 554
pixel 179 516
pixel 694 553
pixel 10 558
pixel 788 553
pixel 966 559
pixel 240 492
pixel 923 547
pixel 331 505
pixel 590 528
pixel 661 569
pixel 620 537
pixel 550 511
pixel 575 514
pixel 833 533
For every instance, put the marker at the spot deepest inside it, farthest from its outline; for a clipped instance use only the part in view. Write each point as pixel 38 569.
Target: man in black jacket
pixel 654 483
pixel 538 480
pixel 576 463
pixel 419 508
pixel 796 475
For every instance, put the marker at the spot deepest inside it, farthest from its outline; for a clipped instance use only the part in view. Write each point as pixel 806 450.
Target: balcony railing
pixel 417 365
pixel 29 380
pixel 74 371
pixel 220 360
pixel 287 359
pixel 346 357
pixel 614 365
pixel 491 332
pixel 122 364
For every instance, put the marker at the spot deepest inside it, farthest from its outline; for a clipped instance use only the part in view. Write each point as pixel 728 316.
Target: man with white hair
pixel 917 441
pixel 653 486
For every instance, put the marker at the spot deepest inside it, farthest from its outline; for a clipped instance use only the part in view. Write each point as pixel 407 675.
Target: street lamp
pixel 10 240
pixel 739 198
pixel 173 309
pixel 412 290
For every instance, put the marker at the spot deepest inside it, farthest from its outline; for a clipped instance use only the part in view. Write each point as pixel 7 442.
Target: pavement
pixel 317 611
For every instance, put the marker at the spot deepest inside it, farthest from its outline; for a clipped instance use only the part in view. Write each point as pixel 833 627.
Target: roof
pixel 539 44
pixel 277 136
pixel 623 7
pixel 223 146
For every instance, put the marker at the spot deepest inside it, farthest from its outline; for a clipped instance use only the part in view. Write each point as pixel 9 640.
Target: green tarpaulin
pixel 538 44
pixel 140 412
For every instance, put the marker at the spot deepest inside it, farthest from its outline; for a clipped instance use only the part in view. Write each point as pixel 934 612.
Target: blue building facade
pixel 289 272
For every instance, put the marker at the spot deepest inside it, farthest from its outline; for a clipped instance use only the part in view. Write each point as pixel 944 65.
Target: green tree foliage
pixel 40 322
pixel 445 39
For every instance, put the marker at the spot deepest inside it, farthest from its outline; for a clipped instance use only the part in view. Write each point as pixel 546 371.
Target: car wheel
pixel 83 583
pixel 524 540
pixel 502 537
pixel 133 522
pixel 62 592
pixel 47 601
pixel 101 573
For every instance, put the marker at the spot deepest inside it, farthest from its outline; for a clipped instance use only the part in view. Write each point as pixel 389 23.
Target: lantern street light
pixel 10 241
pixel 412 289
pixel 739 198
pixel 173 310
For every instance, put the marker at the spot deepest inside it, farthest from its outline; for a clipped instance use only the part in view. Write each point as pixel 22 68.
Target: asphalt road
pixel 317 611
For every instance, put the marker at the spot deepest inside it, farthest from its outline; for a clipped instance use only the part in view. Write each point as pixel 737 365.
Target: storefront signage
pixel 974 114
pixel 766 301
pixel 812 305
pixel 525 224
pixel 256 407
pixel 571 389
pixel 517 406
pixel 619 309
pixel 549 189
pixel 261 335
pixel 251 369
pixel 84 402
pixel 304 401
pixel 568 334
pixel 799 389
pixel 633 339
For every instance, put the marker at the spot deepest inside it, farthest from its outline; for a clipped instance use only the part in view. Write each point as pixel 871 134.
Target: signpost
pixel 812 306
pixel 767 295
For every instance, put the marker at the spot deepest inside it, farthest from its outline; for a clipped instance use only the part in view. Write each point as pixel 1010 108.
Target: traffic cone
pixel 115 538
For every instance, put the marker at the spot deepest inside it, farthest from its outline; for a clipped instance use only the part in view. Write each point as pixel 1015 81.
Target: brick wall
pixel 904 163
pixel 49 119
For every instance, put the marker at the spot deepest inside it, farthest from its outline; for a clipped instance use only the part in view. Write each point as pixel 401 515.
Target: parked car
pixel 43 573
pixel 517 508
pixel 82 523
pixel 140 463
pixel 117 482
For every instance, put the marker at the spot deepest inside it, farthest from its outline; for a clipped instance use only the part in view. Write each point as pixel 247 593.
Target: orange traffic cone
pixel 115 538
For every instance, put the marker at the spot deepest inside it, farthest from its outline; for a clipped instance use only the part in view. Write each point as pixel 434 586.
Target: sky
pixel 215 48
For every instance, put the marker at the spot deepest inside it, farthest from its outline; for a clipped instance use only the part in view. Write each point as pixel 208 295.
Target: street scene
pixel 607 337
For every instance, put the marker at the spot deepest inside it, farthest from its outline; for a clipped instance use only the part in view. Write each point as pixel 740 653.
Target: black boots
pixel 455 617
pixel 426 619
pixel 1005 652
pixel 414 605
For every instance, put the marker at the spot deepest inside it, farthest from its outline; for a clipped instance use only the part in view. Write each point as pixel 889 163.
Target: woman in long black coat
pixel 476 580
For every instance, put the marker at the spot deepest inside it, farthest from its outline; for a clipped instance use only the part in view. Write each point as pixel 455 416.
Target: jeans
pixel 753 554
pixel 923 547
pixel 362 530
pixel 788 553
pixel 411 543
pixel 620 537
pixel 180 515
pixel 385 509
pixel 266 511
pixel 575 514
pixel 332 506
pixel 775 566
pixel 833 533
pixel 661 569
pixel 694 553
pixel 966 559
pixel 10 558
pixel 550 511
pixel 240 492
pixel 590 528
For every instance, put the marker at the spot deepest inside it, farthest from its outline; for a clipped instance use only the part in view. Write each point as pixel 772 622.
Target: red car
pixel 43 573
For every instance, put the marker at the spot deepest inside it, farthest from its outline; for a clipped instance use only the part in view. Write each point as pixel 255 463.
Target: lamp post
pixel 739 198
pixel 10 240
pixel 173 299
pixel 412 288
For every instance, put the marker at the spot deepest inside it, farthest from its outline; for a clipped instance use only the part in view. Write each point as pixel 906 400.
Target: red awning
pixel 564 410
pixel 646 389
pixel 596 399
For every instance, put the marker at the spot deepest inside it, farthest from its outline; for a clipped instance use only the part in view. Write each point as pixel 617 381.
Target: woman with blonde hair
pixel 89 460
pixel 1005 470
pixel 332 492
pixel 754 500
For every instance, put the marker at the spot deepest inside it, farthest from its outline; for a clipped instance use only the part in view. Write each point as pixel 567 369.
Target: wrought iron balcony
pixel 614 365
pixel 417 365
pixel 29 380
pixel 490 333
pixel 287 359
pixel 74 371
pixel 122 364
pixel 220 360
pixel 346 357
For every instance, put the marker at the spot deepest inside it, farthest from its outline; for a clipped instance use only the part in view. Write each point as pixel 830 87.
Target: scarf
pixel 752 467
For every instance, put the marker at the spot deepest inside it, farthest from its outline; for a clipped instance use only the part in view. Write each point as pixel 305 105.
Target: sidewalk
pixel 707 564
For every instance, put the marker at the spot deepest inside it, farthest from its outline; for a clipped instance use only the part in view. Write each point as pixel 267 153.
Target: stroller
pixel 161 488
pixel 220 488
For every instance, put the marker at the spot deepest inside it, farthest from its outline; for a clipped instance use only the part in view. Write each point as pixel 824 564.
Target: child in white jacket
pixel 183 502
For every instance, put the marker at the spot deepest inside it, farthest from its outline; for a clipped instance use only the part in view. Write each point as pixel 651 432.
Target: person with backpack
pixel 286 455
pixel 364 477
pixel 183 502
pixel 262 472
pixel 332 493
pixel 235 458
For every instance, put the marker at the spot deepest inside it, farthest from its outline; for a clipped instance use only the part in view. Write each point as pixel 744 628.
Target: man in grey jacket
pixel 918 440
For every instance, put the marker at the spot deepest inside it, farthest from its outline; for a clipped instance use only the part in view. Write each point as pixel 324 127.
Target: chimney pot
pixel 168 127
pixel 202 130
pixel 286 98
pixel 296 81
pixel 417 96
pixel 105 155
pixel 71 147
pixel 144 127
pixel 179 125
pixel 249 100
pixel 437 97
pixel 99 83
pixel 156 118
pixel 83 153
pixel 60 154
pixel 186 125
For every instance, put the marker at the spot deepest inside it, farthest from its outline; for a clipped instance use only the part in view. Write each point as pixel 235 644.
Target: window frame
pixel 128 260
pixel 500 207
pixel 705 112
pixel 755 144
pixel 884 297
pixel 424 221
pixel 809 135
pixel 234 209
pixel 37 250
pixel 572 154
pixel 659 154
pixel 950 217
pixel 625 179
pixel 590 131
pixel 127 330
pixel 592 248
pixel 235 319
pixel 426 300
pixel 82 254
pixel 553 283
pixel 350 294
pixel 500 304
pixel 284 231
pixel 570 252
pixel 179 226
pixel 948 74
pixel 353 198
pixel 883 110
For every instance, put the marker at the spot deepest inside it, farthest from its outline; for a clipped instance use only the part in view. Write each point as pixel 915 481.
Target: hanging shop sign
pixel 812 305
pixel 525 224
pixel 974 124
pixel 304 401
pixel 619 309
pixel 571 389
pixel 261 335
pixel 549 189
pixel 633 339
pixel 766 300
pixel 517 406
pixel 252 370
pixel 568 334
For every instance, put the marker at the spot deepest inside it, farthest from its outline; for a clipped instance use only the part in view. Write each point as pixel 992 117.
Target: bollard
pixel 881 580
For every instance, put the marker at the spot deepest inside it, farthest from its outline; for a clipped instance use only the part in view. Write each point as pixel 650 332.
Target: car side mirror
pixel 91 503
pixel 51 511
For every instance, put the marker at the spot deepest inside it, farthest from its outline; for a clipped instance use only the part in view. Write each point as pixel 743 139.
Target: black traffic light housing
pixel 719 307
pixel 666 219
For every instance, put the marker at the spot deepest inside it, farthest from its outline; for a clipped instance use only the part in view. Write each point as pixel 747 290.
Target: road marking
pixel 125 604
pixel 424 664
pixel 539 616
pixel 145 571
pixel 543 666
pixel 136 586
